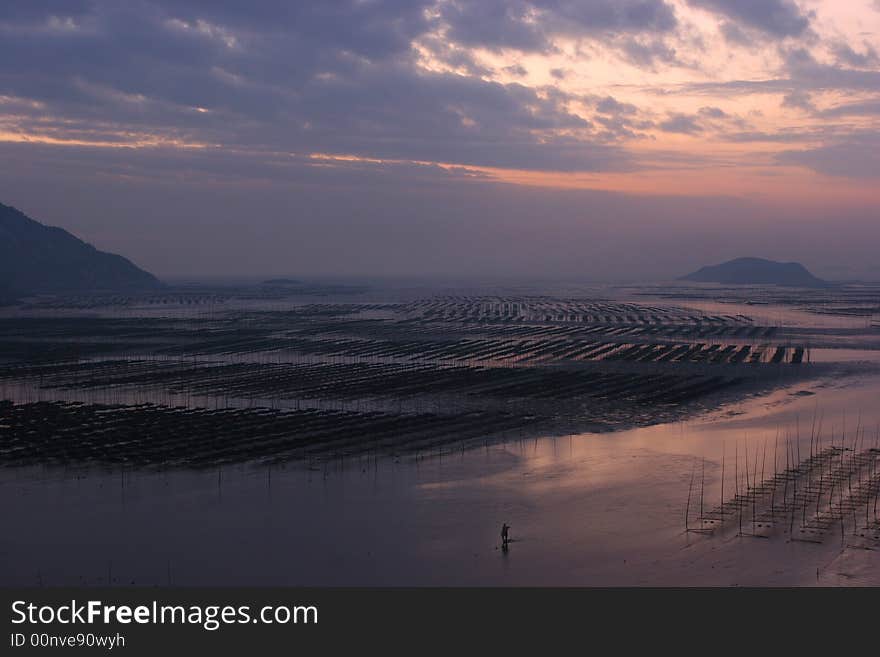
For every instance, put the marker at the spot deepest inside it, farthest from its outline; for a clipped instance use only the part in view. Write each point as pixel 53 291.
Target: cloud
pixel 530 25
pixel 806 72
pixel 459 59
pixel 374 30
pixel 275 132
pixel 734 34
pixel 495 24
pixel 644 52
pixel 681 124
pixel 386 80
pixel 610 105
pixel 800 74
pixel 864 108
pixel 406 220
pixel 781 137
pixel 713 112
pixel 707 119
pixel 209 167
pixel 845 54
pixel 798 99
pixel 776 18
pixel 857 156
pixel 337 77
pixel 619 120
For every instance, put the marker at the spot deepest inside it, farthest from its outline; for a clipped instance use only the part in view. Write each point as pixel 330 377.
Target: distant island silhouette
pixel 756 271
pixel 282 281
pixel 39 259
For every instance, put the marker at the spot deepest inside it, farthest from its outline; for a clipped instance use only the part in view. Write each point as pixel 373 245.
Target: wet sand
pixel 584 509
pixel 590 509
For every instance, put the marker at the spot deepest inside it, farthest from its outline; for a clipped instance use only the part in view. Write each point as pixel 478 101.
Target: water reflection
pixel 584 509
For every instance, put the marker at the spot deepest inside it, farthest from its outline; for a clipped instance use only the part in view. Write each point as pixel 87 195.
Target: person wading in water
pixel 505 536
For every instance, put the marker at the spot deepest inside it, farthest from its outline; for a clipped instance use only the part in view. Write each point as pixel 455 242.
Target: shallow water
pixel 588 509
pixel 584 510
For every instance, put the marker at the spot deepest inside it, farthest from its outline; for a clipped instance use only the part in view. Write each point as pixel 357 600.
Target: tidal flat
pixel 384 437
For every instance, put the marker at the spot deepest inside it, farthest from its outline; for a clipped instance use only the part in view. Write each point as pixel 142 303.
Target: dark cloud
pixel 777 18
pixel 799 100
pixel 800 74
pixel 681 124
pixel 645 52
pixel 808 73
pixel 529 25
pixel 337 77
pixel 706 119
pixel 495 24
pixel 40 10
pixel 456 57
pixel 734 34
pixel 713 112
pixel 618 119
pixel 375 29
pixel 863 108
pixel 857 156
pixel 610 105
pixel 846 55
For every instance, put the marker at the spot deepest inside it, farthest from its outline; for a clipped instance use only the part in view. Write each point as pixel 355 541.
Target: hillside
pixel 43 259
pixel 756 271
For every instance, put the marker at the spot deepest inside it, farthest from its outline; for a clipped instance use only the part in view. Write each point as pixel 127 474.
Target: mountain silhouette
pixel 756 271
pixel 36 259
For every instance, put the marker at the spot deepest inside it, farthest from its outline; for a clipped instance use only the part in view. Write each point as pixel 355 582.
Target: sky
pixel 580 139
